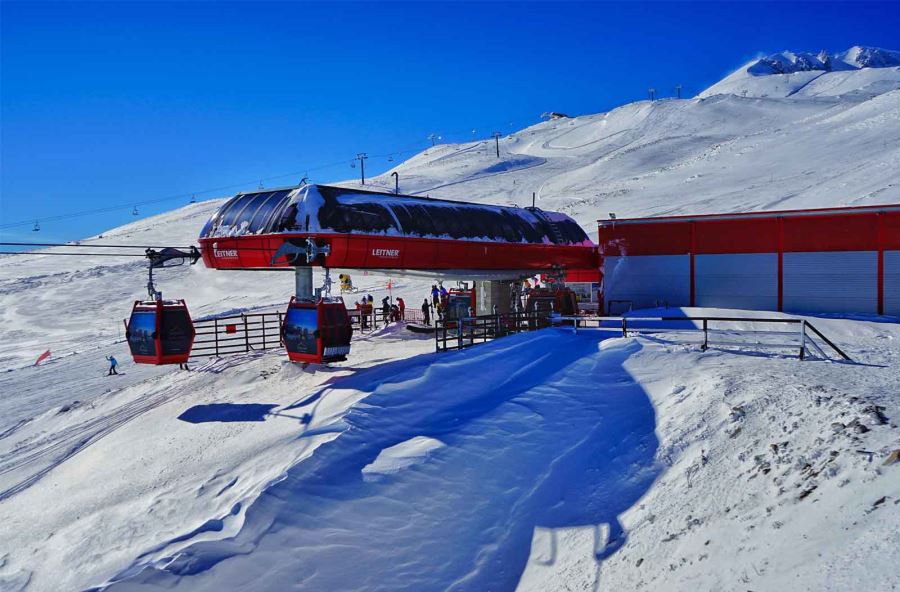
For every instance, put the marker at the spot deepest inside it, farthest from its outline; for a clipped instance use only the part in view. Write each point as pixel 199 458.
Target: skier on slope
pixel 112 365
pixel 402 306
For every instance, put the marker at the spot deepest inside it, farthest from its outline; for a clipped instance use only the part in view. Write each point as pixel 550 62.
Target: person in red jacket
pixel 402 306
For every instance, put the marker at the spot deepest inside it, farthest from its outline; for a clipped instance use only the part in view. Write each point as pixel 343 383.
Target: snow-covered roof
pixel 341 210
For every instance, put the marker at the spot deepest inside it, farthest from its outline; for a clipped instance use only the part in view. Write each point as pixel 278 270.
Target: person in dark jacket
pixel 426 311
pixel 385 309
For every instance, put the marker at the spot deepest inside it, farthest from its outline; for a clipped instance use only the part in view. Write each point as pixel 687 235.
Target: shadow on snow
pixel 545 429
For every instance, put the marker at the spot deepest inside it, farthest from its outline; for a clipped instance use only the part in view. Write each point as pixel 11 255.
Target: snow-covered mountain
pixel 502 465
pixel 788 73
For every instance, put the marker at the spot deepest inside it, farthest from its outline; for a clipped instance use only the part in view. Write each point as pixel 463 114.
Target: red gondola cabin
pixel 160 332
pixel 316 332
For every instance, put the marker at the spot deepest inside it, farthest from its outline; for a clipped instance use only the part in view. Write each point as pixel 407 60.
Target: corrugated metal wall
pixel 892 283
pixel 737 281
pixel 649 280
pixel 831 282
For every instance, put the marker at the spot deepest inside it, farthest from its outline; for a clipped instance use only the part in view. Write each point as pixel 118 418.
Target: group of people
pixel 439 300
pixel 390 313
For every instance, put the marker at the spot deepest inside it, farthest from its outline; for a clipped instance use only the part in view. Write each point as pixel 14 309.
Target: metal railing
pixel 243 333
pixel 236 334
pixel 466 332
pixel 802 340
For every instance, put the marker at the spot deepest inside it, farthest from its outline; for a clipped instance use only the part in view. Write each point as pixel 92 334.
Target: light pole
pixel 361 157
pixel 433 138
pixel 396 182
pixel 496 136
pixel 678 90
pixel 652 92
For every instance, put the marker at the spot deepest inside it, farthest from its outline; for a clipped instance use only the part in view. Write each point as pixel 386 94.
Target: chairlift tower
pixel 496 136
pixel 678 90
pixel 361 157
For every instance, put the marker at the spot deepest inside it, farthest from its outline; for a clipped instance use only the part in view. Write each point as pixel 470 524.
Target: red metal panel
pixel 378 252
pixel 753 235
pixel 583 275
pixel 658 238
pixel 834 232
pixel 743 215
pixel 891 231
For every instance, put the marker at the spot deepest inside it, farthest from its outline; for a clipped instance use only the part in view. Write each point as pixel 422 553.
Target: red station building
pixel 841 260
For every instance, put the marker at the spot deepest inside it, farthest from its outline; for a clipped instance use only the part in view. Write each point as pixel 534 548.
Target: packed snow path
pixel 521 437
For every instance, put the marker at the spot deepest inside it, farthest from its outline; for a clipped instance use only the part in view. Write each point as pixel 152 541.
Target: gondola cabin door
pixel 160 332
pixel 316 332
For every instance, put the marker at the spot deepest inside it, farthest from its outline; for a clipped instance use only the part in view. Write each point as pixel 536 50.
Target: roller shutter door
pixel 747 281
pixel 648 280
pixel 892 283
pixel 842 281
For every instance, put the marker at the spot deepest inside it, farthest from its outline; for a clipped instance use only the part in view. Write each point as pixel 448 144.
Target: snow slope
pixel 837 143
pixel 407 464
pixel 863 71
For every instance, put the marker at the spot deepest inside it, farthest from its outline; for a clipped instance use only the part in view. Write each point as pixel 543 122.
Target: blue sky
pixel 112 104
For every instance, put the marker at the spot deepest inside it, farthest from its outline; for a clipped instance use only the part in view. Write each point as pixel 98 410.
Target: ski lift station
pixel 299 228
pixel 841 260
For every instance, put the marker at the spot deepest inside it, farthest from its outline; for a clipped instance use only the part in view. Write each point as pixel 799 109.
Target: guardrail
pixel 466 332
pixel 242 333
pixel 236 334
pixel 800 340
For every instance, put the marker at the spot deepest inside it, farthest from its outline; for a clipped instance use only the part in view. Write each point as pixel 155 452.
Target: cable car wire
pixel 192 195
pixel 87 246
pixel 141 255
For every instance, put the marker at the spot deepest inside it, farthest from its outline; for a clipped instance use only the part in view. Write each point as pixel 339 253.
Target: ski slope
pixel 548 461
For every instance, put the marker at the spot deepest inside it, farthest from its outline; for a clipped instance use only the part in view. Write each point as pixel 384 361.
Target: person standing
pixel 435 295
pixel 385 310
pixel 426 311
pixel 112 365
pixel 402 306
